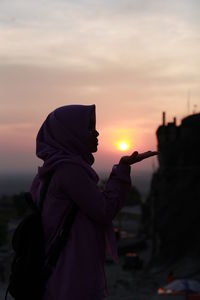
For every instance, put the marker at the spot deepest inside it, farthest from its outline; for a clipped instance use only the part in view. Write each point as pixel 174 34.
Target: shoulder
pixel 70 176
pixel 75 171
pixel 69 168
pixel 67 175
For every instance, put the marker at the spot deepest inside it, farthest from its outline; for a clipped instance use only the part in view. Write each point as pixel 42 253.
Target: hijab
pixel 64 137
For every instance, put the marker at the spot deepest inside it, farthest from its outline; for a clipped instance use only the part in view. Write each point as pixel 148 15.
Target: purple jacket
pixel 79 273
pixel 62 145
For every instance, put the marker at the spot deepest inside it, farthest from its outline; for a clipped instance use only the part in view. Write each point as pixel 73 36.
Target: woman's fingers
pixel 136 157
pixel 141 156
pixel 134 154
pixel 147 154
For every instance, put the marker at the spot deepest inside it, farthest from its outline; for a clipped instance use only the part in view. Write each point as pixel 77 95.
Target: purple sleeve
pixel 99 206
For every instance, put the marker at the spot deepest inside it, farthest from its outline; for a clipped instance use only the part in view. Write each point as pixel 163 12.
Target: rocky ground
pixel 142 284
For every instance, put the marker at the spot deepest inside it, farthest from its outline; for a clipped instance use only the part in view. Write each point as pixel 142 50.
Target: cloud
pixel 134 59
pixel 83 33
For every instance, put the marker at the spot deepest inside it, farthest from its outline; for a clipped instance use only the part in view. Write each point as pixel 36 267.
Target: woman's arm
pixel 99 206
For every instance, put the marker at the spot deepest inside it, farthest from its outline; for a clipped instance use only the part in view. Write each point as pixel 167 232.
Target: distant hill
pixel 15 183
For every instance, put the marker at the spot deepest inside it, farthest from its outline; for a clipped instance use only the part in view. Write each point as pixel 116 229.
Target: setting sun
pixel 122 138
pixel 123 145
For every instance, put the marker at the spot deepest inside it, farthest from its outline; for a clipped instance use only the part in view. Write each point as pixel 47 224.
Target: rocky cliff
pixel 174 197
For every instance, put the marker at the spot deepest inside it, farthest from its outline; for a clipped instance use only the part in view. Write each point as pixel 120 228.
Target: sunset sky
pixel 132 58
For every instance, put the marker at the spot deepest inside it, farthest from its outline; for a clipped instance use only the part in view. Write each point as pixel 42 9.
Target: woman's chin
pixel 94 149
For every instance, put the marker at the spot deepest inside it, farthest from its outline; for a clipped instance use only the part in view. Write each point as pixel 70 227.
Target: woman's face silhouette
pixel 93 134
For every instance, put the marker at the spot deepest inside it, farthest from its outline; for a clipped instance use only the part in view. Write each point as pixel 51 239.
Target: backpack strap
pixel 44 189
pixel 7 291
pixel 60 242
pixel 63 234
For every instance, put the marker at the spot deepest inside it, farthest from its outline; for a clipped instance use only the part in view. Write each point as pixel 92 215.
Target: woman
pixel 65 143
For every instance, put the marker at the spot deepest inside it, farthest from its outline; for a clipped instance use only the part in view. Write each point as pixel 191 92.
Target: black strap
pixel 43 192
pixel 63 234
pixel 44 188
pixel 60 241
pixel 7 291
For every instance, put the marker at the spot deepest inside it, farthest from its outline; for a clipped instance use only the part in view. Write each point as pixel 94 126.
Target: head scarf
pixel 63 137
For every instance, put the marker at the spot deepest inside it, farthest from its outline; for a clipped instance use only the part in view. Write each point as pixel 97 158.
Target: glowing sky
pixel 133 59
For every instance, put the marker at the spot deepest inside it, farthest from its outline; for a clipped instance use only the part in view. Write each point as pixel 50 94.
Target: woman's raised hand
pixel 136 157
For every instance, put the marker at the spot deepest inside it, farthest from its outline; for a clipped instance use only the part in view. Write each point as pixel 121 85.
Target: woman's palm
pixel 136 157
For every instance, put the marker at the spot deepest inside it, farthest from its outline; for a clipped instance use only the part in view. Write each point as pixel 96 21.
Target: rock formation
pixel 174 197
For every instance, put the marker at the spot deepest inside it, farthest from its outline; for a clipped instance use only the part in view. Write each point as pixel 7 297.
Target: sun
pixel 123 145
